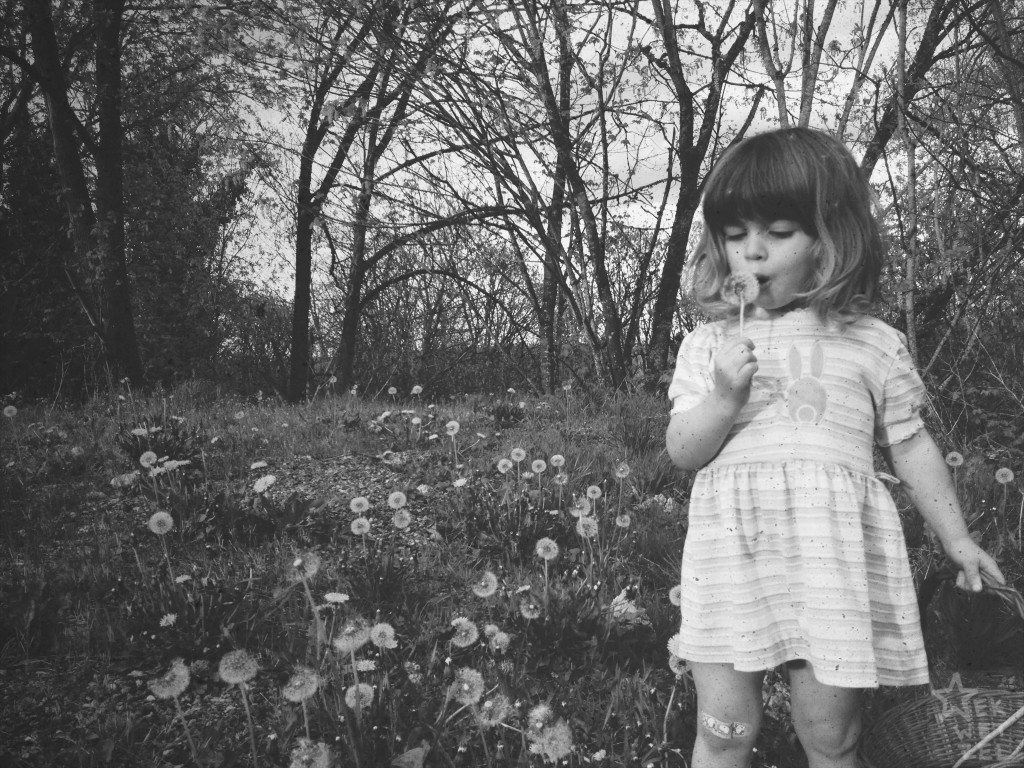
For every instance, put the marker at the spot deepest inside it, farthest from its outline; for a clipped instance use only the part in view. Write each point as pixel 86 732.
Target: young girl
pixel 794 554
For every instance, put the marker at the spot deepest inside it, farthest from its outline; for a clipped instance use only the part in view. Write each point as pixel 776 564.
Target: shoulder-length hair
pixel 805 176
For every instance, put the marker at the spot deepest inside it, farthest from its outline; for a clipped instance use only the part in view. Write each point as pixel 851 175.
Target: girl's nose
pixel 755 247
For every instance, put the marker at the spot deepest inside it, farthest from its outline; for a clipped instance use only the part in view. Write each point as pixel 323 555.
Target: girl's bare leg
pixel 728 715
pixel 826 718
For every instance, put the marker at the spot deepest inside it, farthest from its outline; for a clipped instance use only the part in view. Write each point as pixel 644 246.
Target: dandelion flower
pixel 168 620
pixel 538 466
pixel 172 683
pixel 1004 475
pixel 486 585
pixel 527 475
pixel 621 470
pixel 451 428
pixel 310 754
pixel 239 415
pixel 417 390
pixel 468 687
pixel 366 665
pixel 547 549
pixel 495 711
pixel 675 595
pixel 359 505
pixel 336 598
pixel 353 636
pixel 504 465
pixel 258 465
pixel 593 492
pixel 264 483
pixel 558 461
pixel 466 632
pixel 499 642
pixel 10 411
pixel 623 521
pixel 459 482
pixel 397 500
pixel 147 459
pixel 554 743
pixel 305 566
pixel 412 671
pixel 237 667
pixel 529 609
pixel 517 454
pixel 138 431
pixel 301 685
pixel 359 696
pixel 954 459
pixel 401 519
pixel 586 527
pixel 538 719
pixel 160 523
pixel 360 526
pixel 382 635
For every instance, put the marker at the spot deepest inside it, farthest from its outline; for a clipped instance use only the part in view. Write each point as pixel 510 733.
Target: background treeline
pixel 285 196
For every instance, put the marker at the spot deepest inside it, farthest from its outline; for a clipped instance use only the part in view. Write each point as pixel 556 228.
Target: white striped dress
pixel 794 548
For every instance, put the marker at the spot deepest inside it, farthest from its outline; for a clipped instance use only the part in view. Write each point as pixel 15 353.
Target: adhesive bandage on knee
pixel 723 730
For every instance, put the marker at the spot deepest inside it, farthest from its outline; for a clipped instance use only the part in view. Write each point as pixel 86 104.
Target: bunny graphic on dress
pixel 806 397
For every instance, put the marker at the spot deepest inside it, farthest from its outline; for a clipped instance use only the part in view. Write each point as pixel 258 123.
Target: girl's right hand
pixel 734 369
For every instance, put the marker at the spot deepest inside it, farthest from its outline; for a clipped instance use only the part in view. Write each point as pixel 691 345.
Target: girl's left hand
pixel 972 562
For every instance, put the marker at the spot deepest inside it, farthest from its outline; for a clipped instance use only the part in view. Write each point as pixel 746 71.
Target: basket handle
pixel 932 582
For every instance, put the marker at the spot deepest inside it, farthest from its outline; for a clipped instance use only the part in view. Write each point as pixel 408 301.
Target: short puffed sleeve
pixel 898 415
pixel 692 380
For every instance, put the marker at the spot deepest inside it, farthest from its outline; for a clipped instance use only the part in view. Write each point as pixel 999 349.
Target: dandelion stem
pixel 188 733
pixel 305 717
pixel 252 728
pixel 355 681
pixel 321 629
pixel 167 557
pixel 483 738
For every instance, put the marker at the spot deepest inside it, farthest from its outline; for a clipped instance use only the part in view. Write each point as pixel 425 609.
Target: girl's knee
pixel 831 738
pixel 724 734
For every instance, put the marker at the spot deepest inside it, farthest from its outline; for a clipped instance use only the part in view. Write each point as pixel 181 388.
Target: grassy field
pixel 193 580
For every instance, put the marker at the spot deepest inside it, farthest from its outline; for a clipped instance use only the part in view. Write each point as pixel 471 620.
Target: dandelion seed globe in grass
pixel 529 609
pixel 417 390
pixel 546 549
pixel 555 742
pixel 675 595
pixel 353 636
pixel 392 391
pixel 1004 475
pixel 468 687
pixel 160 523
pixel 593 492
pixel 586 527
pixel 561 479
pixel 677 665
pixel 397 500
pixel 504 465
pixel 490 630
pixel 237 667
pixel 517 455
pixel 580 507
pixel 172 683
pixel 557 461
pixel 486 585
pixel 10 411
pixel 495 711
pixel 147 459
pixel 622 470
pixel 538 718
pixel 452 428
pixel 382 635
pixel 263 484
pixel 305 566
pixel 954 459
pixel 239 415
pixel 301 685
pixel 359 505
pixel 360 526
pixel 538 466
pixel 623 521
pixel 466 632
pixel 401 519
pixel 310 754
pixel 359 696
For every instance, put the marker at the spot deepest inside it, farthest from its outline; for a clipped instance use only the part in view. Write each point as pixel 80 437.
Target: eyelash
pixel 781 235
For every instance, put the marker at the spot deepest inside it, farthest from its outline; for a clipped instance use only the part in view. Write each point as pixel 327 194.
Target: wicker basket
pixel 937 732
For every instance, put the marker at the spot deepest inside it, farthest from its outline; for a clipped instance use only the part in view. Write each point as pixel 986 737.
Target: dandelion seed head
pixel 305 566
pixel 554 742
pixel 359 505
pixel 417 390
pixel 466 632
pixel 392 391
pixel 740 288
pixel 622 470
pixel 239 415
pixel 401 519
pixel 675 595
pixel 237 667
pixel 310 754
pixel 580 507
pixel 382 635
pixel 301 685
pixel 623 521
pixel 359 696
pixel 468 686
pixel 538 718
pixel 451 428
pixel 561 478
pixel 557 461
pixel 360 526
pixel 538 466
pixel 586 527
pixel 353 636
pixel 517 455
pixel 10 411
pixel 495 711
pixel 148 459
pixel 529 609
pixel 486 585
pixel 172 683
pixel 499 642
pixel 504 465
pixel 593 492
pixel 954 459
pixel 397 500
pixel 546 548
pixel 1004 475
pixel 160 523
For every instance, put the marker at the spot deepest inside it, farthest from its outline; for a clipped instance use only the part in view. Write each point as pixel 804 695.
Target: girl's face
pixel 778 253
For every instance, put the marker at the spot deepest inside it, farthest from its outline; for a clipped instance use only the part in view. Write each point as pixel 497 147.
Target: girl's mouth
pixel 762 280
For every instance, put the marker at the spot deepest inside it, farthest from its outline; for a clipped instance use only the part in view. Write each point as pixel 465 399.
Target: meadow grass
pixel 481 581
